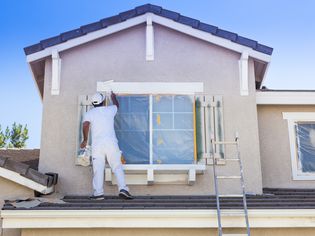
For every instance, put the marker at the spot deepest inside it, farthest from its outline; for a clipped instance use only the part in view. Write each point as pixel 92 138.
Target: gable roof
pixel 140 10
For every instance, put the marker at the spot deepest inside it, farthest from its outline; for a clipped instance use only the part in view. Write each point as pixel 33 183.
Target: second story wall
pixel 121 57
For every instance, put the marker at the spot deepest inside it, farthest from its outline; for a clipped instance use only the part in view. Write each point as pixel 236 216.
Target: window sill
pixel 158 174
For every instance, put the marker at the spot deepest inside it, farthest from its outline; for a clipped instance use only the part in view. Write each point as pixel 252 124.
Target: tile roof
pixel 26 171
pixel 271 199
pixel 140 10
pixel 26 156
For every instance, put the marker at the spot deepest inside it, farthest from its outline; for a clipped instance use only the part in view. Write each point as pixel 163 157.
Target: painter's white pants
pixel 111 150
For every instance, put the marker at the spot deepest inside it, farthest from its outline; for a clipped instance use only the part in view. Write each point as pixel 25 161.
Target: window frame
pixel 152 130
pixel 292 118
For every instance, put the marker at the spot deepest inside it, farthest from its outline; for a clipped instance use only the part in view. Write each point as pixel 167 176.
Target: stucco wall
pixel 121 57
pixel 275 147
pixel 11 190
pixel 164 232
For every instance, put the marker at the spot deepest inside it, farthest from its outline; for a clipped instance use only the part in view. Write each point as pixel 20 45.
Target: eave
pixel 285 97
pixel 269 218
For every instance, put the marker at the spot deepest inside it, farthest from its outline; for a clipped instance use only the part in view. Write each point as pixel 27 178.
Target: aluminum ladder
pixel 240 177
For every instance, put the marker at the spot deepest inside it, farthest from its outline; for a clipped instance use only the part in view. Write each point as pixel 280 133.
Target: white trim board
pixel 17 178
pixel 264 218
pixel 151 87
pixel 285 98
pixel 292 118
pixel 158 174
pixel 157 19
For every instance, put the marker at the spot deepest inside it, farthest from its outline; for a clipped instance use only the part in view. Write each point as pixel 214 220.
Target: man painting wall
pixel 104 143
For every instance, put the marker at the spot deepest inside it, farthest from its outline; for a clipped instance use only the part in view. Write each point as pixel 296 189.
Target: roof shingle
pixel 140 10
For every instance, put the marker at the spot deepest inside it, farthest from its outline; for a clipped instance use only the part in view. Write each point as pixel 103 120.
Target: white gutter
pixel 285 98
pixel 278 218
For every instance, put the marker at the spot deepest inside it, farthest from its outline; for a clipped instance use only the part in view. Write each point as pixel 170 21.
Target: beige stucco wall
pixel 121 57
pixel 11 190
pixel 275 147
pixel 165 232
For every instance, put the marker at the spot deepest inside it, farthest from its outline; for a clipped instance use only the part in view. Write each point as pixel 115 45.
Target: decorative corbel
pixel 56 66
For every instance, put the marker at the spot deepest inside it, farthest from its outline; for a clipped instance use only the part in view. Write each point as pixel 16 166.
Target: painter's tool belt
pixel 84 156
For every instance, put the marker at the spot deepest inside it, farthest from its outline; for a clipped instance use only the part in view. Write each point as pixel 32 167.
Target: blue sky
pixel 287 26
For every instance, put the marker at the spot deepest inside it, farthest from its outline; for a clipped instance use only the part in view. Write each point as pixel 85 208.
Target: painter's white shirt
pixel 102 124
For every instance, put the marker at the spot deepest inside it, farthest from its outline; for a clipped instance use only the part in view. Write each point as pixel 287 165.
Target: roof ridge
pixel 140 10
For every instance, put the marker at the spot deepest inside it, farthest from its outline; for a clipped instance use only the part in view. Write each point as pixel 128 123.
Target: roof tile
pixel 2 161
pixel 142 9
pixel 155 9
pixel 170 14
pixel 246 41
pixel 226 34
pixel 71 34
pixel 110 21
pixel 208 28
pixel 51 41
pixel 127 14
pixel 264 49
pixel 91 27
pixel 33 48
pixel 188 21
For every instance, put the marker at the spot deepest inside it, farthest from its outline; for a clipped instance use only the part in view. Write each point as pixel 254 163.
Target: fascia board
pixel 263 218
pixel 285 98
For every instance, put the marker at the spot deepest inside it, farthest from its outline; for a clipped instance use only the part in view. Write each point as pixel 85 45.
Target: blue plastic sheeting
pixel 132 128
pixel 173 130
pixel 306 146
pixel 173 147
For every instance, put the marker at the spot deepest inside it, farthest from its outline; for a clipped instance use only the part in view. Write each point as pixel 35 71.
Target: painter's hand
pixel 83 144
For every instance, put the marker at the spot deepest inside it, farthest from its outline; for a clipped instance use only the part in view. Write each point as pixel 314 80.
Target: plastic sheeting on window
pixel 132 128
pixel 173 129
pixel 305 135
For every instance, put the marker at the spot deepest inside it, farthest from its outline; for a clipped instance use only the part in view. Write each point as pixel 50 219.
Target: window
pixel 167 139
pixel 163 127
pixel 302 144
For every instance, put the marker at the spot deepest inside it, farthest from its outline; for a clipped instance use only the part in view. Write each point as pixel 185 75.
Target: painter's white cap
pixel 97 98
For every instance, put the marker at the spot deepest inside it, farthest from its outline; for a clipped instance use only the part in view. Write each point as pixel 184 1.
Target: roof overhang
pixel 19 179
pixel 262 218
pixel 285 98
pixel 155 19
pixel 36 59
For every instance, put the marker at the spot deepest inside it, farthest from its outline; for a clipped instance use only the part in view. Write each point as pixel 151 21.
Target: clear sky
pixel 286 25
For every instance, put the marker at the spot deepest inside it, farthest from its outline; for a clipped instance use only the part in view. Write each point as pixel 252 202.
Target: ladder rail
pixel 216 191
pixel 241 177
pixel 243 185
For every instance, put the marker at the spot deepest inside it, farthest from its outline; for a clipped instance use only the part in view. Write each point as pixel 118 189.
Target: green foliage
pixel 14 138
pixel 4 137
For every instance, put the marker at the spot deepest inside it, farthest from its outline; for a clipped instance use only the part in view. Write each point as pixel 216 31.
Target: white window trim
pixel 188 88
pixel 292 118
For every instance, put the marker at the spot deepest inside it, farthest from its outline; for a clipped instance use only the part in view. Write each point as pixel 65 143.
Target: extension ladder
pixel 240 177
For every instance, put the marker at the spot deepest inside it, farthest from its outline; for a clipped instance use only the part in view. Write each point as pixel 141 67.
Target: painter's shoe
pixel 124 194
pixel 99 197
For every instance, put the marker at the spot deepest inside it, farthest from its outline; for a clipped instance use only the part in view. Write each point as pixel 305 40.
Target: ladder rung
pixel 234 234
pixel 230 195
pixel 228 177
pixel 231 159
pixel 225 143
